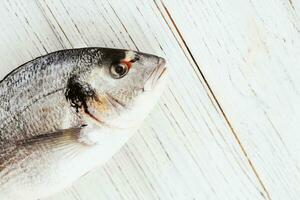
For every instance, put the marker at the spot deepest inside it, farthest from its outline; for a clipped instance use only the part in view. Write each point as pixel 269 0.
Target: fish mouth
pixel 156 75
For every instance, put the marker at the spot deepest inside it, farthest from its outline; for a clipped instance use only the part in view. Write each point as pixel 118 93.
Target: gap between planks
pixel 187 52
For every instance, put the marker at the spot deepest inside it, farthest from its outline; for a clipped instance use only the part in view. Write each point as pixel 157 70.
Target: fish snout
pixel 157 75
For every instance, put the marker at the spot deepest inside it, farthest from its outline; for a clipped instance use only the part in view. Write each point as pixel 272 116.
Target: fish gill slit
pixel 111 98
pixel 89 114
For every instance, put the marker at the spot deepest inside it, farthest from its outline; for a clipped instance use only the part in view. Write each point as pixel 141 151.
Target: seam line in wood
pixel 56 21
pixel 123 26
pixel 214 99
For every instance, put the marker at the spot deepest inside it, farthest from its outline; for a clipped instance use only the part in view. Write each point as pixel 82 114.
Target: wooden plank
pixel 248 51
pixel 185 149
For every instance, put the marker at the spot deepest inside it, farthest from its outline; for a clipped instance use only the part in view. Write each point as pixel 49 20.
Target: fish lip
pixel 162 69
pixel 156 75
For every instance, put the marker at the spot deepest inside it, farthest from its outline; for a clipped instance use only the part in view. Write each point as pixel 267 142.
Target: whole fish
pixel 64 113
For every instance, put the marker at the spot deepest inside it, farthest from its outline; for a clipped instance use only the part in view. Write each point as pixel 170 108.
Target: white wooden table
pixel 228 125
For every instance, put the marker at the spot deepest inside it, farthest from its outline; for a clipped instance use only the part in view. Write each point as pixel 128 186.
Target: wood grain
pixel 248 53
pixel 225 128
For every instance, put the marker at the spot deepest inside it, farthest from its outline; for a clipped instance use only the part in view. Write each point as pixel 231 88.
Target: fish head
pixel 125 86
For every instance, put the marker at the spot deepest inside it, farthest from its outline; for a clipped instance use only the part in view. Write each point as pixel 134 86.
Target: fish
pixel 67 112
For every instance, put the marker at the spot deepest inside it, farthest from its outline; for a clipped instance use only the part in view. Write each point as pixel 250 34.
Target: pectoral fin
pixel 43 163
pixel 62 142
pixel 63 136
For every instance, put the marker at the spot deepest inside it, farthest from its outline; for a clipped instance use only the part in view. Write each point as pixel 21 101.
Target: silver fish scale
pixel 32 97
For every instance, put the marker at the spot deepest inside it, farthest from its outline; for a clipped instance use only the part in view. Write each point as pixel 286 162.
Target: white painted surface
pixel 228 125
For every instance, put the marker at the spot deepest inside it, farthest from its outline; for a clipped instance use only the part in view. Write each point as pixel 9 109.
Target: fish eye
pixel 118 70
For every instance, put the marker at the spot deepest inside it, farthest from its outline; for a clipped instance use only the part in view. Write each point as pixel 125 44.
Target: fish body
pixel 64 113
